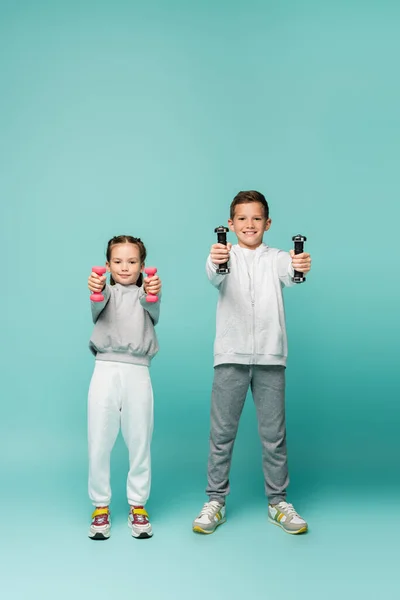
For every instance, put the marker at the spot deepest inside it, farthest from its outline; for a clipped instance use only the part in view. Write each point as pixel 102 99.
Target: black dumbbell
pixel 298 249
pixel 221 232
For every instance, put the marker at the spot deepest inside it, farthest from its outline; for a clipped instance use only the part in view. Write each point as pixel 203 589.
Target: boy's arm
pixel 153 308
pixel 219 255
pixel 289 262
pixel 211 269
pixel 285 268
pixel 98 307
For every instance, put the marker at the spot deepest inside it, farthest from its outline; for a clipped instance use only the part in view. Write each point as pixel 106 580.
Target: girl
pixel 120 394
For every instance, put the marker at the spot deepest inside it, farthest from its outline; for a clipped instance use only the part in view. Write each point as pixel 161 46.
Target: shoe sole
pixel 99 536
pixel 142 536
pixel 198 529
pixel 302 530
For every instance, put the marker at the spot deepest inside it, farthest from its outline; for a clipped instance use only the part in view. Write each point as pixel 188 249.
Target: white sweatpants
pixel 120 395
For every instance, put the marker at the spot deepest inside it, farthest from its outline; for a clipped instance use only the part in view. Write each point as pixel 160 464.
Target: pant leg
pixel 268 388
pixel 137 430
pixel 103 428
pixel 229 390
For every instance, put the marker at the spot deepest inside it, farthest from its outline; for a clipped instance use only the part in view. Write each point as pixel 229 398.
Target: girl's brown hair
pixel 127 239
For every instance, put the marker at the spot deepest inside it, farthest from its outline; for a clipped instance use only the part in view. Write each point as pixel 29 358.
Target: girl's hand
pixel 96 283
pixel 220 253
pixel 152 285
pixel 301 262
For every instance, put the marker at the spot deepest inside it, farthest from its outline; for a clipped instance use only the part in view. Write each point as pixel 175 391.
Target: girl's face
pixel 125 265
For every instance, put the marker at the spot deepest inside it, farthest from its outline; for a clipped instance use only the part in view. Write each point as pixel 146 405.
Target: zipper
pixel 252 298
pixel 252 301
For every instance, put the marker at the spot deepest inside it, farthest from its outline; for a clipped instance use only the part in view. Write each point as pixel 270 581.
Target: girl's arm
pixel 98 307
pixel 153 308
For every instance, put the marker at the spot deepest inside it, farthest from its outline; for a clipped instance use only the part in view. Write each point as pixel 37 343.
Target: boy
pixel 250 349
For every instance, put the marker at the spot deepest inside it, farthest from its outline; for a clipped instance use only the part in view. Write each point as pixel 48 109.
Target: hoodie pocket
pixel 234 337
pixel 270 339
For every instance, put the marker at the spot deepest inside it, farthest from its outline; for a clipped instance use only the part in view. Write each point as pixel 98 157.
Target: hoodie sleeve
pixel 98 307
pixel 153 308
pixel 285 269
pixel 215 278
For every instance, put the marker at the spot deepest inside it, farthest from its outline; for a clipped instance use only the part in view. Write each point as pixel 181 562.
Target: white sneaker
pixel 138 521
pixel 284 515
pixel 211 516
pixel 100 527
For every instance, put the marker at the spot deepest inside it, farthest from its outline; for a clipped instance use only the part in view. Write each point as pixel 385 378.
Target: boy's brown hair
pixel 246 198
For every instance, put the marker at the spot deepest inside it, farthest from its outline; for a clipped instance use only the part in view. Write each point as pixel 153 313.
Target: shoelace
pixel 142 519
pixel 288 508
pixel 209 508
pixel 100 519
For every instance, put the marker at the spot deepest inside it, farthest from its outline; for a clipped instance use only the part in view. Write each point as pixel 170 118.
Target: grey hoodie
pixel 250 326
pixel 124 325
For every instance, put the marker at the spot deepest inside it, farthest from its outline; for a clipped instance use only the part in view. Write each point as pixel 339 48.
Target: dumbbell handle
pixel 151 271
pixel 298 240
pixel 98 296
pixel 221 237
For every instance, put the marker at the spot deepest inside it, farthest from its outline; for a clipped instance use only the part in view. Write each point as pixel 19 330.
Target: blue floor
pixel 350 551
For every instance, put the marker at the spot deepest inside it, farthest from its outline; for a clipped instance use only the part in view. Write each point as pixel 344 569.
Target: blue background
pixel 147 118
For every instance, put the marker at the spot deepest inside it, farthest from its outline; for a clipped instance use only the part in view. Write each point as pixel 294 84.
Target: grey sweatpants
pixel 230 386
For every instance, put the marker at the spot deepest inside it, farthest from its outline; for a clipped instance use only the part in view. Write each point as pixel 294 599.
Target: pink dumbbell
pixel 150 271
pixel 97 296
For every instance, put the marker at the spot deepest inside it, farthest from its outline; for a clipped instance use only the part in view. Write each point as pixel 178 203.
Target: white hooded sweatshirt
pixel 250 324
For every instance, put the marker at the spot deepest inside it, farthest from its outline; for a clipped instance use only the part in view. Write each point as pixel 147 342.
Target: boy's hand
pixel 301 262
pixel 152 285
pixel 220 253
pixel 96 283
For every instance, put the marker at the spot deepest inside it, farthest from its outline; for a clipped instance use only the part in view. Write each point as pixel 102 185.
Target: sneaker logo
pixel 281 517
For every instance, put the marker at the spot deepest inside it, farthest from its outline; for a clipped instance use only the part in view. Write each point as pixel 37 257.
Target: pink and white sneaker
pixel 100 527
pixel 138 521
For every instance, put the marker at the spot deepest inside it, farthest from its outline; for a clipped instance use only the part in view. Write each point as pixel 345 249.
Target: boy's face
pixel 125 265
pixel 249 224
